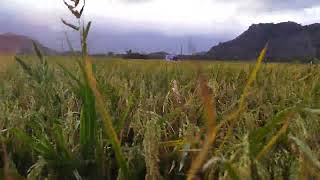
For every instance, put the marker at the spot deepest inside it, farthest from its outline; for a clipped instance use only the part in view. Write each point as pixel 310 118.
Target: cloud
pixel 168 16
pixel 135 1
pixel 277 5
pixel 263 6
pixel 218 19
pixel 112 37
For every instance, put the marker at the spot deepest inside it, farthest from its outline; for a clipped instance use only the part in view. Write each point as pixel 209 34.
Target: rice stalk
pixel 151 150
pixel 6 168
pixel 306 151
pixel 198 161
pixel 234 115
pixel 109 130
pixel 211 117
pixel 274 139
pixel 208 103
pixel 210 121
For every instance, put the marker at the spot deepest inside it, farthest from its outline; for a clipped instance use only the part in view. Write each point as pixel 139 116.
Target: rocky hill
pixel 18 44
pixel 287 41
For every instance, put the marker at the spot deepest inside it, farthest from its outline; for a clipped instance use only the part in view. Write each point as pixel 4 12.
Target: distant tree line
pixel 130 54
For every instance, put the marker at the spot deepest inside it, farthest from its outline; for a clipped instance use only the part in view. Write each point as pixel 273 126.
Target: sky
pixel 152 25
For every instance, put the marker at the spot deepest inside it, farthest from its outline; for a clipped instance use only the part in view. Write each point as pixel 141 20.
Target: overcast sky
pixel 139 24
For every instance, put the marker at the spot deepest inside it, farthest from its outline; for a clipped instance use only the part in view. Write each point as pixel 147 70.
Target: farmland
pixel 163 114
pixel 6 61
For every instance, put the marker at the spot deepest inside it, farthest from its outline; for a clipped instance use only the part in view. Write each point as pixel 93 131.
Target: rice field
pixel 5 62
pixel 158 120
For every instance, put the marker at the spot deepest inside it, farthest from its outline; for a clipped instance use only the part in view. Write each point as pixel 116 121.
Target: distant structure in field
pixel 171 57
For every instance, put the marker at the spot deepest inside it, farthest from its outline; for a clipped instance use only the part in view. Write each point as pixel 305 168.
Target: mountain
pixel 17 44
pixel 287 41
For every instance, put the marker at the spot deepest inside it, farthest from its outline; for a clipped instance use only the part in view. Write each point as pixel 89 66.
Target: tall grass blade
pixel 66 71
pixel 208 103
pixel 151 150
pixel 274 139
pixel 257 137
pixel 173 143
pixel 252 77
pixel 70 25
pixel 86 31
pixel 305 149
pixel 198 161
pixel 6 169
pixel 88 123
pixel 109 130
pixel 210 119
pixel 231 170
pixel 234 115
pixel 223 164
pixel 76 2
pixel 38 52
pixel 75 12
pixel 27 69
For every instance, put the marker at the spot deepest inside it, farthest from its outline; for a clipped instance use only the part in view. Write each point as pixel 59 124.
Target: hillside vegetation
pixel 288 41
pixel 17 44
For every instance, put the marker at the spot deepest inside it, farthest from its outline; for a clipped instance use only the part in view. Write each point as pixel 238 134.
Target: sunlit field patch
pixel 5 61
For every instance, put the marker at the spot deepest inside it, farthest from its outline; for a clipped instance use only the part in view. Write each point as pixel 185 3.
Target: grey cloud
pixel 132 1
pixel 263 6
pixel 102 39
pixel 288 4
pixel 106 37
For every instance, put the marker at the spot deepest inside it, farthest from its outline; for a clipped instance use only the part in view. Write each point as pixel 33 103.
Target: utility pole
pixel 61 42
pixel 191 47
